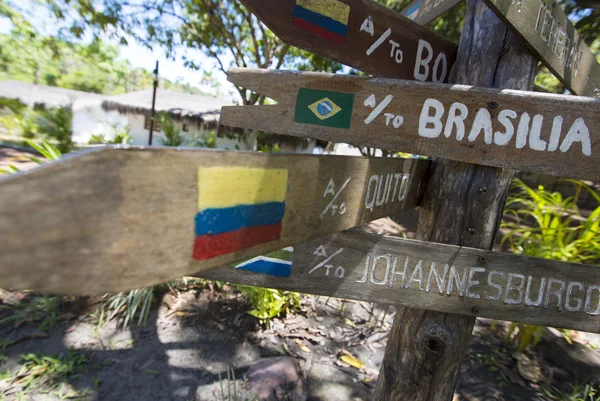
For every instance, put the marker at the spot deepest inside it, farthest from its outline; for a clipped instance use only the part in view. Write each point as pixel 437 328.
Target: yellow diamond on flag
pixel 324 109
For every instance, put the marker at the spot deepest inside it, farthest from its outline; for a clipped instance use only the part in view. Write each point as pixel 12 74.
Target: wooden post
pixel 462 206
pixel 153 111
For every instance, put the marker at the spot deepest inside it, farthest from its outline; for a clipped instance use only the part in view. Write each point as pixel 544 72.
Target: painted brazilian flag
pixel 326 108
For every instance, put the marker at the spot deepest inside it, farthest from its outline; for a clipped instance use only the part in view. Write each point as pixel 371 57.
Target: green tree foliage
pixel 93 67
pixel 229 34
pixel 222 29
pixel 96 67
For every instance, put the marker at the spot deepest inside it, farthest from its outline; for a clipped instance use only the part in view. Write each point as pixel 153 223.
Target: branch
pixel 254 41
pixel 282 54
pixel 231 42
pixel 214 55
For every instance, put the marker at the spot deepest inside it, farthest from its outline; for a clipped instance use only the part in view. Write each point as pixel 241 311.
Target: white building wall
pixel 138 133
pixel 90 119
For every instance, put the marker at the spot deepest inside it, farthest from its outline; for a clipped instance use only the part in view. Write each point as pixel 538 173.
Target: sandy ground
pixel 195 336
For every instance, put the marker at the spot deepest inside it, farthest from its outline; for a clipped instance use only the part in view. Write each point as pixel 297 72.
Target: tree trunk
pixel 463 205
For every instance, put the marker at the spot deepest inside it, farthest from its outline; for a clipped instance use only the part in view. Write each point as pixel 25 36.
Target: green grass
pixel 130 307
pixel 40 311
pixel 45 373
pixel 134 307
pixel 230 384
pixel 576 392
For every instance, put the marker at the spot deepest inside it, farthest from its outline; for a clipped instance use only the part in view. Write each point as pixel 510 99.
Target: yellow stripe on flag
pixel 333 9
pixel 220 187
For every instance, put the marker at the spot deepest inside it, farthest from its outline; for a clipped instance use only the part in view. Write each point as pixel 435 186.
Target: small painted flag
pixel 276 263
pixel 413 11
pixel 326 18
pixel 319 107
pixel 238 208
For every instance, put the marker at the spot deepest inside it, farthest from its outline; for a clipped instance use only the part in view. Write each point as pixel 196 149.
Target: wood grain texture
pixel 545 133
pixel 438 277
pixel 368 23
pixel 425 11
pixel 462 206
pixel 114 219
pixel 554 40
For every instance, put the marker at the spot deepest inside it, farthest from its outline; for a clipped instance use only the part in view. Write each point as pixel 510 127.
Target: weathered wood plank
pixel 114 219
pixel 545 27
pixel 360 33
pixel 438 277
pixel 425 11
pixel 538 132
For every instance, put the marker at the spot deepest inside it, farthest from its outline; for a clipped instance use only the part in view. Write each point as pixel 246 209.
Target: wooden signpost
pixel 543 133
pixel 544 26
pixel 425 11
pixel 361 34
pixel 444 278
pixel 114 219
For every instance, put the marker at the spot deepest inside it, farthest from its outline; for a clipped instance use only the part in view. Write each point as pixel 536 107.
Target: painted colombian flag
pixel 238 208
pixel 326 18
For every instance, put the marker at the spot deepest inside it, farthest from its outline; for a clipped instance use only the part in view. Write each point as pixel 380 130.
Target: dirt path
pixel 193 337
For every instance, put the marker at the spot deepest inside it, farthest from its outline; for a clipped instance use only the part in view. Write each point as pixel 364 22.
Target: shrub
pixel 548 225
pixel 120 136
pixel 172 135
pixel 208 140
pixel 56 123
pixel 268 303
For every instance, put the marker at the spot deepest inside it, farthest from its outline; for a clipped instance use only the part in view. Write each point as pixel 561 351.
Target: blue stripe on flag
pixel 266 265
pixel 321 20
pixel 413 9
pixel 217 221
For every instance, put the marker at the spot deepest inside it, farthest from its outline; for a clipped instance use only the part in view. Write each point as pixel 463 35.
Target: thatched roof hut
pixel 201 109
pixel 43 95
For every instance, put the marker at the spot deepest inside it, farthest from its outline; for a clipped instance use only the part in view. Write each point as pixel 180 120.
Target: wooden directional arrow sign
pixel 424 11
pixel 360 33
pixel 551 36
pixel 542 133
pixel 113 219
pixel 438 277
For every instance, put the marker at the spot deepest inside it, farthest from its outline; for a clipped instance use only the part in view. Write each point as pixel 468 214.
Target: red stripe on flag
pixel 310 27
pixel 210 246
